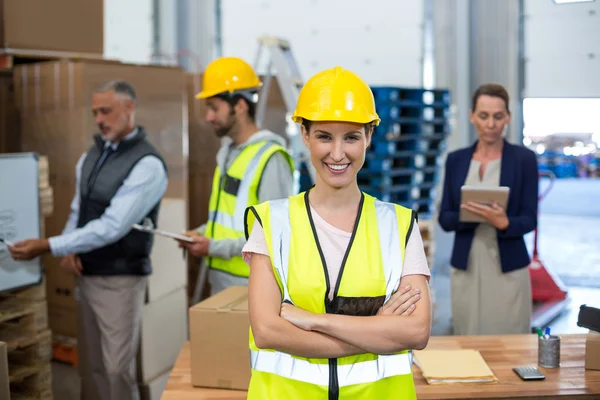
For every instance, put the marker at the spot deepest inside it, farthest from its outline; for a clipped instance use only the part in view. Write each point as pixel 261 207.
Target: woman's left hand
pixel 494 214
pixel 297 316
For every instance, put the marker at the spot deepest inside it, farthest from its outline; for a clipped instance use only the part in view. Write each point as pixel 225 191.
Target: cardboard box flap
pixel 232 299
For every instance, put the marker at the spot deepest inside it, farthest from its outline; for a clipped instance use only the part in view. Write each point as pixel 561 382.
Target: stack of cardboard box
pixel 53 99
pixel 49 30
pixel 57 25
pixel 9 129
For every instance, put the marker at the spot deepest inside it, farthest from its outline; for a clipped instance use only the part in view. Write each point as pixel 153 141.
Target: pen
pixel 7 242
pixel 547 333
pixel 539 332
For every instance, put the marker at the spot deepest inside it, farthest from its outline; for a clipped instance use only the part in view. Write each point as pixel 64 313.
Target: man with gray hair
pixel 120 182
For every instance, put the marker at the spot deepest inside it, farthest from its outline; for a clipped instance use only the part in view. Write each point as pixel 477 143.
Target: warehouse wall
pixel 381 40
pixel 478 42
pixel 128 30
pixel 562 49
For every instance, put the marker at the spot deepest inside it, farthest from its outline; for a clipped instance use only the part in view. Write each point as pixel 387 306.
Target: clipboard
pixel 162 233
pixel 482 195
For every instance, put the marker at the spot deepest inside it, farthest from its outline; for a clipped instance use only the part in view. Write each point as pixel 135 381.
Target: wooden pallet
pixel 30 349
pixel 22 317
pixel 31 382
pixel 11 57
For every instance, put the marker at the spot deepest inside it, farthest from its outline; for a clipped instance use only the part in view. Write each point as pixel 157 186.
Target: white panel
pixel 380 40
pixel 562 49
pixel 128 30
pixel 565 77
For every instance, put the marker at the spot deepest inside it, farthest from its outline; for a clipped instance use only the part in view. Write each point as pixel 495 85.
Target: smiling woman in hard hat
pixel 338 290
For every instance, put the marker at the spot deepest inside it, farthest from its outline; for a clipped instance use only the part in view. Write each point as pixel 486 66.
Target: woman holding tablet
pixel 491 289
pixel 329 268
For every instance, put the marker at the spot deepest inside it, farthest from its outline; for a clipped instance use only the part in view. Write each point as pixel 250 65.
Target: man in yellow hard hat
pixel 253 166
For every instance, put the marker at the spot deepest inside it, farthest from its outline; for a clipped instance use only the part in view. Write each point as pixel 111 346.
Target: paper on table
pixel 453 366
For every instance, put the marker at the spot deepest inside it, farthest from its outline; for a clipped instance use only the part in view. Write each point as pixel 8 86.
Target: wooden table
pixel 502 353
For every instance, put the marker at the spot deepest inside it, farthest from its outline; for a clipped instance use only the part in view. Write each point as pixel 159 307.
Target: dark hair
pixel 233 99
pixel 490 89
pixel 119 87
pixel 307 123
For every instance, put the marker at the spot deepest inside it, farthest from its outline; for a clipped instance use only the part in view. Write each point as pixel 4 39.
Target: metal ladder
pixel 284 64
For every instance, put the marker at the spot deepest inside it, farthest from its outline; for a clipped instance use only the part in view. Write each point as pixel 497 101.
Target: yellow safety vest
pixel 231 193
pixel 372 269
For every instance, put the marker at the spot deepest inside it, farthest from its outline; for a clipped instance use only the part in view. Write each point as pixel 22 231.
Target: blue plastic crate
pixel 565 170
pixel 414 143
pixel 386 94
pixel 412 113
pixel 377 163
pixel 411 191
pixel 389 129
pixel 409 176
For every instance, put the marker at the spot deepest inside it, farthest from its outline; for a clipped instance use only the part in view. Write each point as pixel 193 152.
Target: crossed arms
pixel 399 325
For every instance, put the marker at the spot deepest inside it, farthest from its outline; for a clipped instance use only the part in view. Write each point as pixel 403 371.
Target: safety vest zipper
pixel 221 184
pixel 334 385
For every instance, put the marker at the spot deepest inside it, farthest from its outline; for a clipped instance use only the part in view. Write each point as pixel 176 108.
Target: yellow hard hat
pixel 336 94
pixel 228 74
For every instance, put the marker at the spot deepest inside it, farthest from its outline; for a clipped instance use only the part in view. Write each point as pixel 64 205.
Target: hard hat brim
pixel 206 94
pixel 318 118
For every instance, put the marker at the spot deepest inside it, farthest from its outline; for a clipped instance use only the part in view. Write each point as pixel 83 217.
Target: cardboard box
pixel 592 351
pixel 219 334
pixel 9 118
pixel 59 25
pixel 4 385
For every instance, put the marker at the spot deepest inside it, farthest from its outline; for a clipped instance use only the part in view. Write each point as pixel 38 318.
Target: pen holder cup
pixel 549 352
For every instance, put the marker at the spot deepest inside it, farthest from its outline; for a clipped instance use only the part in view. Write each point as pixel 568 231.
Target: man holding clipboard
pixel 120 181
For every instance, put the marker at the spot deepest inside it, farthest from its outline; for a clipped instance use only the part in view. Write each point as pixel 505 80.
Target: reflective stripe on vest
pixel 236 221
pixel 368 371
pixel 285 365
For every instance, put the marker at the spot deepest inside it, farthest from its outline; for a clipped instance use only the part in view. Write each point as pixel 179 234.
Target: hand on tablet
pixel 493 214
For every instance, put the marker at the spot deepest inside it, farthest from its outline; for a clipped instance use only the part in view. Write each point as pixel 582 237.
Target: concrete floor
pixel 569 244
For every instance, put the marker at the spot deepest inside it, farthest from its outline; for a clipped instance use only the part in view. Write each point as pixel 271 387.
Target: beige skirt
pixel 486 301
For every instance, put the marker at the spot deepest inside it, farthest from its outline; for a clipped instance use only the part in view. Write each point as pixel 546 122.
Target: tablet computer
pixel 482 195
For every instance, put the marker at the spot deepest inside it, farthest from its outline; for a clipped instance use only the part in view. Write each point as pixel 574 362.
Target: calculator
pixel 529 373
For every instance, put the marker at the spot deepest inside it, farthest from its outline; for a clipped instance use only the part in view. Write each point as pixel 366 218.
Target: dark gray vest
pixel 131 254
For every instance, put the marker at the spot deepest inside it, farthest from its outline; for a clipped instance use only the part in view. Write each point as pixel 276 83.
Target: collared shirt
pixel 140 192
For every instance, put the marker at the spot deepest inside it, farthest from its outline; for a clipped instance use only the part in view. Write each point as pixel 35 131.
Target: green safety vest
pixel 371 272
pixel 231 193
